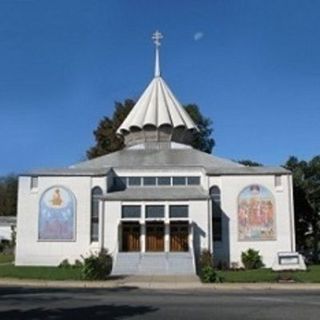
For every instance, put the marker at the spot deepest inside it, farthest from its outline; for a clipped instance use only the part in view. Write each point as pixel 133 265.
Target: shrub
pixel 206 259
pixel 251 259
pixel 97 267
pixel 65 264
pixel 207 272
pixel 77 264
pixel 208 275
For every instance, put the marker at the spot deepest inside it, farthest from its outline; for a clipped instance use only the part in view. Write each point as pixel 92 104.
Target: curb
pixel 111 284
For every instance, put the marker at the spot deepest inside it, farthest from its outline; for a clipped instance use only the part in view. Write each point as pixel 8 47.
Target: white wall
pixel 31 251
pixel 230 187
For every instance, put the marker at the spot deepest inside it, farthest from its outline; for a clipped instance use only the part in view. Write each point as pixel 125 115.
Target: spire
pixel 157 36
pixel 157 116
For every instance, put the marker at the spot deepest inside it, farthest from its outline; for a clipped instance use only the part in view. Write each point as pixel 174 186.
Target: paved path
pixel 159 282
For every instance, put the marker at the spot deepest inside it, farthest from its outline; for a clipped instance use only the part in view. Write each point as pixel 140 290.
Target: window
pixel 179 211
pixel 215 195
pixel 179 181
pixel 164 181
pixel 217 229
pixel 277 181
pixel 193 181
pixel 149 181
pixel 34 183
pixel 134 181
pixel 95 193
pixel 154 211
pixel 131 212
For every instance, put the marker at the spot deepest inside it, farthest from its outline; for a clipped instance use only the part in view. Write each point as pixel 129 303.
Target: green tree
pixel 8 195
pixel 107 141
pixel 203 139
pixel 306 189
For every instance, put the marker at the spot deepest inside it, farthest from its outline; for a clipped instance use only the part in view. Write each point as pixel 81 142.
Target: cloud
pixel 198 36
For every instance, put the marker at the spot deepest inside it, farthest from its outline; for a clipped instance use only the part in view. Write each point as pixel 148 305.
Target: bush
pixel 209 275
pixel 251 259
pixel 206 259
pixel 65 264
pixel 77 264
pixel 207 272
pixel 97 267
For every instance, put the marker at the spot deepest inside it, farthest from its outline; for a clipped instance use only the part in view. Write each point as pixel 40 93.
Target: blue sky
pixel 253 67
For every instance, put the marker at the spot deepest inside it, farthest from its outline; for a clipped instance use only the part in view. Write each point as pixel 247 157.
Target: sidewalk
pixel 159 282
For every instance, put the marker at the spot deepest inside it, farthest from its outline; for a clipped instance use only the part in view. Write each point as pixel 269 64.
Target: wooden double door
pixel 131 236
pixel 155 236
pixel 179 234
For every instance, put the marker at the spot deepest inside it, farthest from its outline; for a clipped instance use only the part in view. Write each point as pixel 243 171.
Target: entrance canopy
pixel 153 194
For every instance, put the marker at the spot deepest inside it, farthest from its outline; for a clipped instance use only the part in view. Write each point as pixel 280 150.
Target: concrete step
pixel 153 263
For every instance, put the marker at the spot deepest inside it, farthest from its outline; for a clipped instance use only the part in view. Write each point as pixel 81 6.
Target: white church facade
pixel 156 204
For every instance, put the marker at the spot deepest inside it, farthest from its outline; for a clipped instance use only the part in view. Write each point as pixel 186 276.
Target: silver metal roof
pixel 158 159
pixel 8 220
pixel 157 107
pixel 160 193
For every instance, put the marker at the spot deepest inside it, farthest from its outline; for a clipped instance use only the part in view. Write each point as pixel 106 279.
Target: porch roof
pixel 161 193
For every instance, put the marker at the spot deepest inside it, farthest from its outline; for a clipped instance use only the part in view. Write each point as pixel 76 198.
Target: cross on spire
pixel 157 36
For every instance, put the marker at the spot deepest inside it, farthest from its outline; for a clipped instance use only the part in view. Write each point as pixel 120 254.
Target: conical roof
pixel 157 111
pixel 157 107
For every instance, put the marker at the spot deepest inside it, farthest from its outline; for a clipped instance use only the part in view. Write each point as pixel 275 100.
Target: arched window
pixel 95 193
pixel 215 195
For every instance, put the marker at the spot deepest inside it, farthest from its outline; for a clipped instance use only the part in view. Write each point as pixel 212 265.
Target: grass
pixel 43 273
pixel 267 275
pixel 6 258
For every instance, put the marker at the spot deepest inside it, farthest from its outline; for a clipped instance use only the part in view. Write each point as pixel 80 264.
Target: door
pixel 130 237
pixel 155 237
pixel 179 236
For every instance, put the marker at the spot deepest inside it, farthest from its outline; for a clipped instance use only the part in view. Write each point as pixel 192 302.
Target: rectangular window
pixel 193 181
pixel 277 181
pixel 180 211
pixel 134 181
pixel 154 211
pixel 217 228
pixel 164 181
pixel 149 181
pixel 34 183
pixel 179 181
pixel 131 212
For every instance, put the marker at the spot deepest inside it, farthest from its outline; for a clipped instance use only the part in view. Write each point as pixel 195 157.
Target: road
pixel 133 303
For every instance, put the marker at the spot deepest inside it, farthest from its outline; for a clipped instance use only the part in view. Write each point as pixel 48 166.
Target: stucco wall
pixel 231 247
pixel 31 251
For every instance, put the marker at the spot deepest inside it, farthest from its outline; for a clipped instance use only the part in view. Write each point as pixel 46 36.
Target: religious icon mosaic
pixel 57 215
pixel 256 214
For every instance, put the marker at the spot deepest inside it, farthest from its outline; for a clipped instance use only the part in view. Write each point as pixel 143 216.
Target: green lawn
pixel 5 258
pixel 267 275
pixel 43 273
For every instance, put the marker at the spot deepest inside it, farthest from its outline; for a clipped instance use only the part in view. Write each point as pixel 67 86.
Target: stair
pixel 153 263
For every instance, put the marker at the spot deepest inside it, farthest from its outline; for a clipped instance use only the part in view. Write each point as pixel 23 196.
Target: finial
pixel 157 36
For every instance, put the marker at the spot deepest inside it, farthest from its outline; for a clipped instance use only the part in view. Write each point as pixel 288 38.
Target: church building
pixel 156 204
